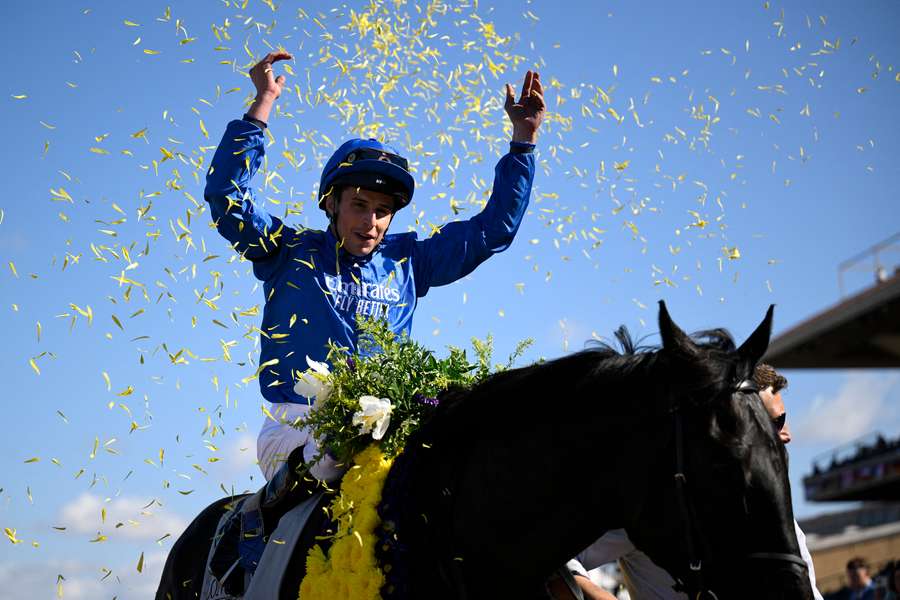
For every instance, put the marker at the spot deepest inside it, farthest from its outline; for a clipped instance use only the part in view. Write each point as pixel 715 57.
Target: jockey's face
pixel 363 218
pixel 775 407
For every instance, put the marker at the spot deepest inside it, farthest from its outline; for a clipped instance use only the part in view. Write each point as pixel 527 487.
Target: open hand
pixel 527 114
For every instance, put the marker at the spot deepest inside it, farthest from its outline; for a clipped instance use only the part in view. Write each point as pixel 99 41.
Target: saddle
pixel 240 539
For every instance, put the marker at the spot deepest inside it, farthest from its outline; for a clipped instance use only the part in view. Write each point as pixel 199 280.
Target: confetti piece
pixel 140 564
pixel 11 535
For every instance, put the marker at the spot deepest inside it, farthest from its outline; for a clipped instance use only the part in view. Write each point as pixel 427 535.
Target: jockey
pixel 317 283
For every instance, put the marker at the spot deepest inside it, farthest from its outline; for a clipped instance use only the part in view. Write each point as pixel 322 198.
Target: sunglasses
pixel 779 421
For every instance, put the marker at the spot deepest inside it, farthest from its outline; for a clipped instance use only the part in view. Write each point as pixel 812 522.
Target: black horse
pixel 515 476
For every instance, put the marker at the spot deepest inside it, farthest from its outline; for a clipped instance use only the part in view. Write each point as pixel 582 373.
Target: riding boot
pixel 260 513
pixel 291 485
pixel 224 563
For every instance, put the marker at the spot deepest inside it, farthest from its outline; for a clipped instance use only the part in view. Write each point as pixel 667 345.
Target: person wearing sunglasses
pixel 318 283
pixel 771 383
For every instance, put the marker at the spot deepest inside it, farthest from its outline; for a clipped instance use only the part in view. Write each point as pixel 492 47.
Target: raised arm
pixel 252 231
pixel 461 246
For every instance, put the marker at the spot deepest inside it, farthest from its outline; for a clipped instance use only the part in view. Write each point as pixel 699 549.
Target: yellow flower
pixel 350 571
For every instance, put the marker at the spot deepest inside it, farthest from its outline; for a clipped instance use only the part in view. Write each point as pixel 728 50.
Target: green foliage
pixel 401 370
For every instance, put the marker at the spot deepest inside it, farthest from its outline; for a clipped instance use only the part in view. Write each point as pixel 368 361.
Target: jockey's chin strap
pixel 688 516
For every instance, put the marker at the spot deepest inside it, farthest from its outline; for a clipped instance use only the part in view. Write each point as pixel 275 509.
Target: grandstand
pixel 867 468
pixel 862 331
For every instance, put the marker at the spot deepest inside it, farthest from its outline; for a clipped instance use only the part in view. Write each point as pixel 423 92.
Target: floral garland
pixel 385 390
pixel 367 405
pixel 350 570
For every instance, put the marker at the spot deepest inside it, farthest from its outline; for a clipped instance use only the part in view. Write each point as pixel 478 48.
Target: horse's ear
pixel 673 338
pixel 756 345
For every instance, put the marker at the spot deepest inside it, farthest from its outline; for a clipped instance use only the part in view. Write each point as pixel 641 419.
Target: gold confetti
pixel 11 536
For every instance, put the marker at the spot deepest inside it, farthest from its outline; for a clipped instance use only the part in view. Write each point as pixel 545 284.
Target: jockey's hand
pixel 263 77
pixel 560 591
pixel 268 87
pixel 527 114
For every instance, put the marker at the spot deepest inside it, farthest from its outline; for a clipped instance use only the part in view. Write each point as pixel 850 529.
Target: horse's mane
pixel 600 363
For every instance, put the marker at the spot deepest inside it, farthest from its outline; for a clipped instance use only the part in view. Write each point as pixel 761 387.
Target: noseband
pixel 688 516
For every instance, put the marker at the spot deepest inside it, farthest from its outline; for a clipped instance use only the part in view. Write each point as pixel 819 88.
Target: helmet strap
pixel 333 216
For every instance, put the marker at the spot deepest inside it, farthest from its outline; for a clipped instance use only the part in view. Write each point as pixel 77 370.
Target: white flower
pixel 315 382
pixel 374 415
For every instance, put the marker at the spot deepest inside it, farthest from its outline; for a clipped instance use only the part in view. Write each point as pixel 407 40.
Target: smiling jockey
pixel 317 283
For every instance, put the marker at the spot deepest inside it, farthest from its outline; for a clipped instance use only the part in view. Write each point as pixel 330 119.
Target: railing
pixel 852 451
pixel 881 261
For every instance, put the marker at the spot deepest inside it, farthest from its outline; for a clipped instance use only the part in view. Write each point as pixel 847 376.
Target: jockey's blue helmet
pixel 370 165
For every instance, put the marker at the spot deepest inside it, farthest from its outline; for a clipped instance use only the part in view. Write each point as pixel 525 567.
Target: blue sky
pixel 768 131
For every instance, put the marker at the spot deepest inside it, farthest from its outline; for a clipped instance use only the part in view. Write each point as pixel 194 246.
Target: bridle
pixel 688 515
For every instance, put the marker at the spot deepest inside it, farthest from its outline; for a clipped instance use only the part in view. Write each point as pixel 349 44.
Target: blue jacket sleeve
pixel 254 233
pixel 459 247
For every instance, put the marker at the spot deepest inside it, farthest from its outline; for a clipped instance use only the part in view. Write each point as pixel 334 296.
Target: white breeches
pixel 278 438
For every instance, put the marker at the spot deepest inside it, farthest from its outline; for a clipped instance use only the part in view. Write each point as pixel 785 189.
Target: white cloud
pixel 128 517
pixel 859 407
pixel 241 455
pixel 82 580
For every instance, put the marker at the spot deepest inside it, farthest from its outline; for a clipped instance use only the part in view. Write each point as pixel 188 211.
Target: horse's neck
pixel 523 474
pixel 551 484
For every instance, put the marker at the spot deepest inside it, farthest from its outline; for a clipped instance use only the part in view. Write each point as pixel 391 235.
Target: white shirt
pixel 643 578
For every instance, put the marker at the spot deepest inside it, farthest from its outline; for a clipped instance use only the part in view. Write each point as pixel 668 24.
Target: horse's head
pixel 722 522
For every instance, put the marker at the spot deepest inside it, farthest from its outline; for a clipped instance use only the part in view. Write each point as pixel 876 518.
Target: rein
pixel 688 515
